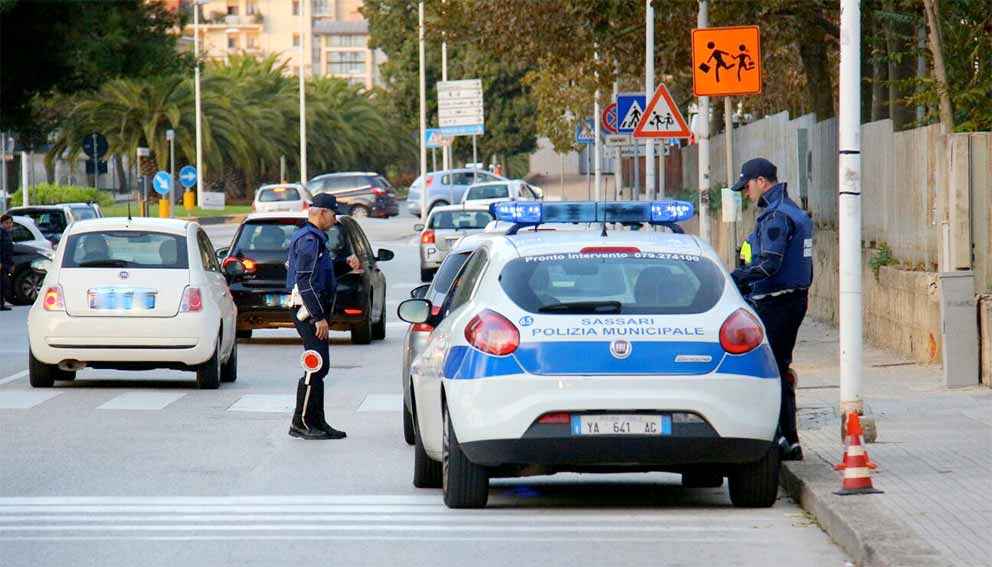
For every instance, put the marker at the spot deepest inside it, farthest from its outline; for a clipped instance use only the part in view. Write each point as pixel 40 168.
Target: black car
pixel 52 220
pixel 27 279
pixel 261 247
pixel 364 194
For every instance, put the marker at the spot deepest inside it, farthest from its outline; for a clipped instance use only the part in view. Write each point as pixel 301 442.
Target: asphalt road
pixel 125 468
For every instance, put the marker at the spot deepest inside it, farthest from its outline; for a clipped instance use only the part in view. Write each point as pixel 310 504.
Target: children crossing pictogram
pixel 662 118
pixel 726 61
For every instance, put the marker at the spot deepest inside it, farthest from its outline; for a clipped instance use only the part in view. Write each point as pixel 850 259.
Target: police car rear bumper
pixel 588 453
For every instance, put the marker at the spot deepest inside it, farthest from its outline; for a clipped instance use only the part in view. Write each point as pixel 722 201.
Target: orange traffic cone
pixel 857 477
pixel 854 430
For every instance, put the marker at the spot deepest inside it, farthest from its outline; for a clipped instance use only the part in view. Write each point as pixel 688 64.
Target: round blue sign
pixel 187 176
pixel 162 182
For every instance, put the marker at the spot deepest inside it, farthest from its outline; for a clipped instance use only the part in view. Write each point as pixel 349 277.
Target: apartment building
pixel 334 31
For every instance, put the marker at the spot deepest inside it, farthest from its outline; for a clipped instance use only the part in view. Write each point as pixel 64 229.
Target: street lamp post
pixel 423 121
pixel 303 94
pixel 170 135
pixel 196 91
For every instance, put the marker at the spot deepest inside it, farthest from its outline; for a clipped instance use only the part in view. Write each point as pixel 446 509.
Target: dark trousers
pixel 6 288
pixel 309 413
pixel 782 316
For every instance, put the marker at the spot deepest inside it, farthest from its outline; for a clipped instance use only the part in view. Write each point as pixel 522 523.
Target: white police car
pixel 592 352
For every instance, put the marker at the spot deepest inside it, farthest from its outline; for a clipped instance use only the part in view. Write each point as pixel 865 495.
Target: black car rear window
pixel 51 222
pixel 126 249
pixel 273 235
pixel 619 282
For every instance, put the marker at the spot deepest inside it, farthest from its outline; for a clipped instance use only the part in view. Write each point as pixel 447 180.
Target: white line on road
pixel 265 403
pixel 382 402
pixel 522 516
pixel 418 538
pixel 140 401
pixel 14 377
pixel 24 399
pixel 347 528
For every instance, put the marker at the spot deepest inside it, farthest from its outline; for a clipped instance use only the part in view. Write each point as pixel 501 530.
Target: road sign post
pixel 187 178
pixel 170 135
pixel 162 183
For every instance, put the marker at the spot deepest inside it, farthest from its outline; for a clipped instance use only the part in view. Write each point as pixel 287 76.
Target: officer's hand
pixel 322 329
pixel 354 263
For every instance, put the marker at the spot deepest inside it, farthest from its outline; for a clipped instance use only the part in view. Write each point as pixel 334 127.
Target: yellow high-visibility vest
pixel 746 252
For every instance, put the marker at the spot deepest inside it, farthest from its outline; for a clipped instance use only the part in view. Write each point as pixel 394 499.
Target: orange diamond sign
pixel 726 61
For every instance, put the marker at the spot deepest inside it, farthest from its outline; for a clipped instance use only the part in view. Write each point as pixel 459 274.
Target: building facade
pixel 333 32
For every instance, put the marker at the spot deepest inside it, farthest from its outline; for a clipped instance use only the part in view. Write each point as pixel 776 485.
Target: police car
pixel 595 351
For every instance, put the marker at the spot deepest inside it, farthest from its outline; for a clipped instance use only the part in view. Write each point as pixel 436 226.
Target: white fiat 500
pixel 133 294
pixel 595 351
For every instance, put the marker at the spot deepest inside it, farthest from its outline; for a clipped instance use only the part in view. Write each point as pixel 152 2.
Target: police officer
pixel 312 271
pixel 775 276
pixel 6 259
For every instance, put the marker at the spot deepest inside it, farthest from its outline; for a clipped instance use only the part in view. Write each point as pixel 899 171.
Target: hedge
pixel 54 194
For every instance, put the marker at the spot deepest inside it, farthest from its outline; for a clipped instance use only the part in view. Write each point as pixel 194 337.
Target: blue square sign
pixel 630 108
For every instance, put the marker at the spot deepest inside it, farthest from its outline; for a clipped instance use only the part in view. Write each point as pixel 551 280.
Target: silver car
pixel 417 336
pixel 446 226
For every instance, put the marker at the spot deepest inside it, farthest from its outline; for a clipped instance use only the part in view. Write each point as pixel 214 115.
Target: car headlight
pixel 41 264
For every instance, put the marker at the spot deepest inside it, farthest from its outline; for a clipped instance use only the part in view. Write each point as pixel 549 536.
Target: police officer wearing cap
pixel 775 274
pixel 311 269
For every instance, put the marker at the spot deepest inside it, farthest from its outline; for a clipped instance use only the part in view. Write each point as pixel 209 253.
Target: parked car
pixel 134 294
pixel 417 336
pixel 496 191
pixel 52 220
pixel 260 249
pixel 446 187
pixel 29 272
pixel 27 232
pixel 281 197
pixel 446 225
pixel 364 194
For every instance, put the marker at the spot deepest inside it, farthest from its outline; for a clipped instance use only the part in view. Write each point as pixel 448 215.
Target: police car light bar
pixel 654 212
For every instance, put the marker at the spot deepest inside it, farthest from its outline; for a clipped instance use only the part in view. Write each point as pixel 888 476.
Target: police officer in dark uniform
pixel 312 271
pixel 6 259
pixel 775 276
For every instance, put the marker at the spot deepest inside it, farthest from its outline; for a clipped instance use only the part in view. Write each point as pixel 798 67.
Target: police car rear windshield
pixel 278 194
pixel 620 282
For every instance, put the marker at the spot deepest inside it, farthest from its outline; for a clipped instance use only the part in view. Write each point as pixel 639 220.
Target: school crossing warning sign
pixel 726 61
pixel 662 118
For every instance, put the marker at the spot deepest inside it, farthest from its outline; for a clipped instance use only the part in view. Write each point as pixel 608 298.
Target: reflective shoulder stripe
pixel 746 252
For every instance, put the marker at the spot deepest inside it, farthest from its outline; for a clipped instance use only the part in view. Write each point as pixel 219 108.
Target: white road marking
pixel 14 377
pixel 266 403
pixel 397 324
pixel 25 399
pixel 659 529
pixel 382 402
pixel 140 401
pixel 416 539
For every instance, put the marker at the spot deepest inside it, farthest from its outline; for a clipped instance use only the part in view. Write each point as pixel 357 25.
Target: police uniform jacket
pixel 311 269
pixel 781 247
pixel 6 249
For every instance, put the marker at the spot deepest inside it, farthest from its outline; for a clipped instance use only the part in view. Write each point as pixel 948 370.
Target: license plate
pixel 277 300
pixel 122 299
pixel 621 424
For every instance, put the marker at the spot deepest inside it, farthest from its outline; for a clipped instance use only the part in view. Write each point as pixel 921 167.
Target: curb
pixel 867 531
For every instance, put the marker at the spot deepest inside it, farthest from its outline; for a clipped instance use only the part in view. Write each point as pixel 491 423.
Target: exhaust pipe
pixel 72 365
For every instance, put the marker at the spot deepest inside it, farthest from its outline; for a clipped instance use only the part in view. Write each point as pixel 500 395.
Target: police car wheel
pixel 465 484
pixel 229 370
pixel 208 373
pixel 755 485
pixel 426 471
pixel 361 333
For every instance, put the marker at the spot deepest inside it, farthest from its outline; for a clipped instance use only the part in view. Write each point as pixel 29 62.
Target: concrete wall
pixel 547 162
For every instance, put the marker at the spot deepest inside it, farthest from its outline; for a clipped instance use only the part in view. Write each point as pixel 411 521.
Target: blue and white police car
pixel 595 351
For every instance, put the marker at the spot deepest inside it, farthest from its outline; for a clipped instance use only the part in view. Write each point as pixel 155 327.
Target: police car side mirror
pixel 384 255
pixel 420 291
pixel 414 310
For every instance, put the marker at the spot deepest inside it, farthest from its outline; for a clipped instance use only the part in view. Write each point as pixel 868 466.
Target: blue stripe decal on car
pixel 467 363
pixel 759 363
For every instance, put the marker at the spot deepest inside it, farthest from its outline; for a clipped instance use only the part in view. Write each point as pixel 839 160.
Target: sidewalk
pixel 934 455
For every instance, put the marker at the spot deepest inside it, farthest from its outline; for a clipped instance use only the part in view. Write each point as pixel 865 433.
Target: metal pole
pixel 637 172
pixel 282 169
pixel 172 173
pixel 423 122
pixel 3 170
pixel 649 172
pixel 303 93
pixel 25 184
pixel 849 218
pixel 446 150
pixel 196 88
pixel 704 144
pixel 475 160
pixel 618 165
pixel 728 126
pixel 595 113
pixel 434 159
pixel 96 170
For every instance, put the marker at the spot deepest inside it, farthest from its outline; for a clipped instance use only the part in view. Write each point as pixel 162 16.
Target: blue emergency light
pixel 653 212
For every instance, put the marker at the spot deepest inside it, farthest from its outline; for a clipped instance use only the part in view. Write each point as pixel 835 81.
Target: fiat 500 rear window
pixel 610 283
pixel 126 249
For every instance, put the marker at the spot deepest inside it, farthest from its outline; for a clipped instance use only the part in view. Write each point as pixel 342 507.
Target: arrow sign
pixel 630 108
pixel 162 182
pixel 662 118
pixel 187 176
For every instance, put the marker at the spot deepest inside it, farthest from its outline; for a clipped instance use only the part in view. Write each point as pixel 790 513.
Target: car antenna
pixel 604 229
pixel 129 207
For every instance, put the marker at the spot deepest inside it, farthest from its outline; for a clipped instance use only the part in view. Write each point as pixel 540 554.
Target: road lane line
pixel 420 518
pixel 382 402
pixel 140 401
pixel 25 399
pixel 418 538
pixel 13 377
pixel 348 528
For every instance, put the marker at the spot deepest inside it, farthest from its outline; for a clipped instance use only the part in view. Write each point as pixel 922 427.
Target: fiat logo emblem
pixel 621 349
pixel 123 275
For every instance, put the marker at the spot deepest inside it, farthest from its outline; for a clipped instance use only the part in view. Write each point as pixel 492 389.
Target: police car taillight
pixel 492 333
pixel 741 333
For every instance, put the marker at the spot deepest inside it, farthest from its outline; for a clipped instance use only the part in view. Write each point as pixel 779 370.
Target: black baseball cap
pixel 754 168
pixel 325 201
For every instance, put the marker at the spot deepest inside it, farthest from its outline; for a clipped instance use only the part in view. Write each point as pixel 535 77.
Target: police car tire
pixel 408 433
pixel 208 373
pixel 465 484
pixel 379 328
pixel 361 333
pixel 42 375
pixel 229 370
pixel 755 485
pixel 426 471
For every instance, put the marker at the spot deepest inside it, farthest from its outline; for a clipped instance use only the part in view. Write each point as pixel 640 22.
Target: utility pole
pixel 618 166
pixel 704 143
pixel 728 126
pixel 96 169
pixel 446 150
pixel 303 93
pixel 849 217
pixel 196 88
pixel 423 122
pixel 649 172
pixel 170 135
pixel 595 113
pixel 25 179
pixel 3 171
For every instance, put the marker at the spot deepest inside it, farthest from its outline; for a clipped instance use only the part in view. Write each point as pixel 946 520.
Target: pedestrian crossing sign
pixel 630 109
pixel 585 131
pixel 662 118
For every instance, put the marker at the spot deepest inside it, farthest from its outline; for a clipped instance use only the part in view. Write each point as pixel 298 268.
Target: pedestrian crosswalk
pixel 419 517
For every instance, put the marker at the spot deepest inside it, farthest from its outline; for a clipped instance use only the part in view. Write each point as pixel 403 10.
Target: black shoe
pixel 794 452
pixel 321 422
pixel 310 435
